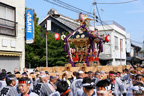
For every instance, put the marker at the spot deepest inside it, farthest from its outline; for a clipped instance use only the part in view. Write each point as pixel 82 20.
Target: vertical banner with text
pixel 30 26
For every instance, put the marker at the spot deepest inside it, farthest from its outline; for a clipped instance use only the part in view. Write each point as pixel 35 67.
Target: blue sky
pixel 130 16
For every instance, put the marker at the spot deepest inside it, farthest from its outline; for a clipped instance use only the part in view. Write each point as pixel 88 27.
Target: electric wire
pixel 120 2
pixel 68 5
pixel 78 10
pixel 69 8
pixel 100 17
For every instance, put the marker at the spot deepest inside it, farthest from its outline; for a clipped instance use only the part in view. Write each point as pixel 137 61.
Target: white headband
pixel 88 84
pixel 42 76
pixel 81 72
pixel 138 88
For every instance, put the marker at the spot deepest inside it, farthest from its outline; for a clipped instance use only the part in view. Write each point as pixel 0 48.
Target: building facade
pixel 114 51
pixel 12 34
pixel 60 24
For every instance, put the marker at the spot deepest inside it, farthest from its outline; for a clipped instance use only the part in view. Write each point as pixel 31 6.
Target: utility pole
pixel 46 47
pixel 94 13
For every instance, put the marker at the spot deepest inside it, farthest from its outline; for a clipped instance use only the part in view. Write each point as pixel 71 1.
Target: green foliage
pixel 35 54
pixel 56 54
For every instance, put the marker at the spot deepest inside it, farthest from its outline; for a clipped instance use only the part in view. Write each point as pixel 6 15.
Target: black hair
pixel 138 84
pixel 103 83
pixel 90 72
pixel 62 86
pixel 74 73
pixel 139 76
pixel 118 72
pixel 111 72
pixel 86 72
pixel 9 73
pixel 2 76
pixel 123 70
pixel 17 72
pixel 4 71
pixel 8 79
pixel 36 71
pixel 126 70
pixel 88 80
pixel 24 73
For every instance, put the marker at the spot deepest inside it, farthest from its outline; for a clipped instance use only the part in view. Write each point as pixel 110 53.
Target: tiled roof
pixel 68 22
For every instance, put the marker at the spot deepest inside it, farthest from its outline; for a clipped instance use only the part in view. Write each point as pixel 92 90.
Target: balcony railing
pixel 114 23
pixel 7 27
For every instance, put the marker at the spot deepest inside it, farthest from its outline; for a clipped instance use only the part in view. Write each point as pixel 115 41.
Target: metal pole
pixel 120 52
pixel 94 13
pixel 46 47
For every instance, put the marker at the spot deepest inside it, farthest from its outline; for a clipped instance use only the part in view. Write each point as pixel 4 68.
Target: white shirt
pixel 2 84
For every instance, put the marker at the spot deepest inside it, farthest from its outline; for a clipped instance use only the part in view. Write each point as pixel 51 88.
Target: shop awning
pixel 10 54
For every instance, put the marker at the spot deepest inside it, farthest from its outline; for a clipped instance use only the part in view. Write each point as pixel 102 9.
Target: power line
pixel 120 2
pixel 100 17
pixel 68 5
pixel 70 8
pixel 75 10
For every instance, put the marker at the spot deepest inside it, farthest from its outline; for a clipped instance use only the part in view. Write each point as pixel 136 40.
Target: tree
pixel 56 54
pixel 35 54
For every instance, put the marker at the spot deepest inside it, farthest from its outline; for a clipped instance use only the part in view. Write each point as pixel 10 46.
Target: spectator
pixel 2 80
pixel 10 90
pixel 52 82
pixel 76 86
pixel 88 87
pixel 24 87
pixel 64 77
pixel 25 70
pixel 16 70
pixel 62 88
pixel 42 88
pixel 104 88
pixel 90 75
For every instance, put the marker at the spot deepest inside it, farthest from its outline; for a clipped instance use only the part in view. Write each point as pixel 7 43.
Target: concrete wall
pixel 20 31
pixel 109 48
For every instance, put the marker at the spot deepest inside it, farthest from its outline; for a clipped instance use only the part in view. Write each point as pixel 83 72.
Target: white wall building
pixel 114 51
pixel 12 34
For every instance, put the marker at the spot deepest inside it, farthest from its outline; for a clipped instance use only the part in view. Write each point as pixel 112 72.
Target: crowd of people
pixel 130 82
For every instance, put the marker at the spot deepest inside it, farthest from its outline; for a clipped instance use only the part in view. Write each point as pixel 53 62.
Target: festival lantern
pixel 107 39
pixel 72 51
pixel 57 36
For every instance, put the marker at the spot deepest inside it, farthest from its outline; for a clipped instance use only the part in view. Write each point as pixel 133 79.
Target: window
pixel 116 43
pixel 121 44
pixel 7 20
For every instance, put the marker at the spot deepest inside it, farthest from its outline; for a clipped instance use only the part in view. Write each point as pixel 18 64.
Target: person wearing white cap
pixel 76 86
pixel 42 89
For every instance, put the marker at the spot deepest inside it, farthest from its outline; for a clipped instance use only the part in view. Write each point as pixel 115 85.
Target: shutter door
pixel 9 63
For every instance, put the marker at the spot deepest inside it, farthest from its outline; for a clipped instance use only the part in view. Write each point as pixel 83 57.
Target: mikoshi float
pixel 83 45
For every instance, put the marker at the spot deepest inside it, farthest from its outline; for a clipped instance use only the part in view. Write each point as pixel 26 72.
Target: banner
pixel 29 26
